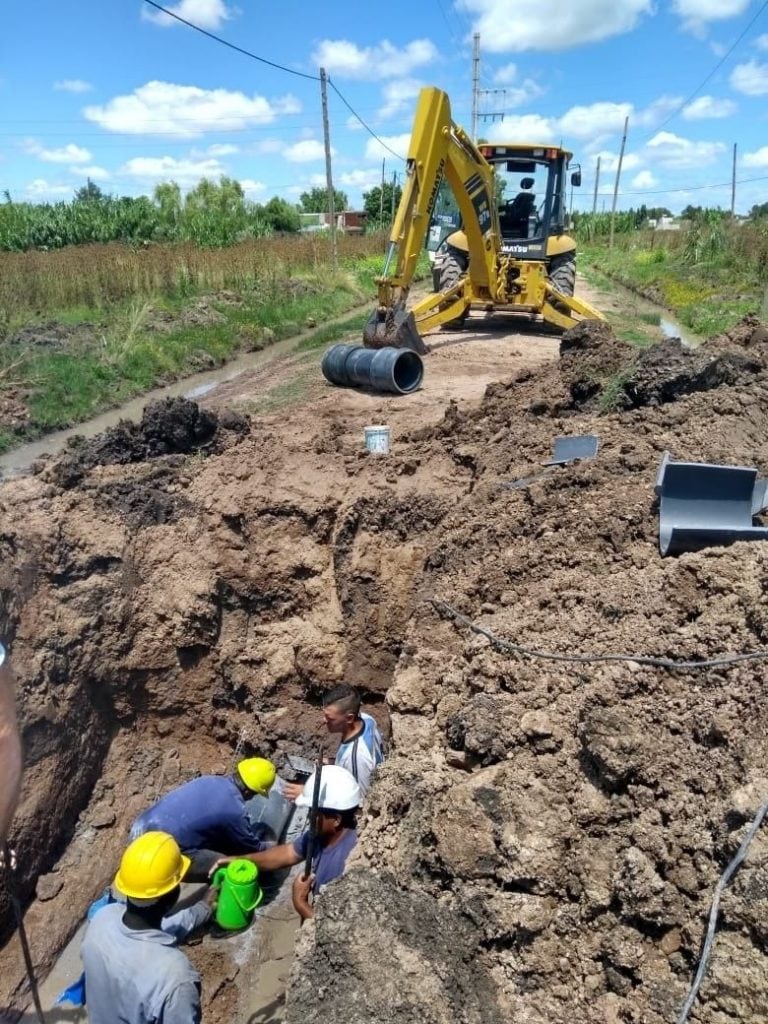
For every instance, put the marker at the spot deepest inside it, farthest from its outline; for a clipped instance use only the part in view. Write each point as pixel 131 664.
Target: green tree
pixel 316 200
pixel 89 193
pixel 372 203
pixel 280 215
pixel 758 211
pixel 167 198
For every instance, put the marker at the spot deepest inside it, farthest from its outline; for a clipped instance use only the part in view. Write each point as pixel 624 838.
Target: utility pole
pixel 733 184
pixel 618 176
pixel 328 173
pixel 475 81
pixel 597 183
pixel 381 197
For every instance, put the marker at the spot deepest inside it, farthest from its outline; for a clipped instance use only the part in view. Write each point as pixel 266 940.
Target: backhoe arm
pixel 438 149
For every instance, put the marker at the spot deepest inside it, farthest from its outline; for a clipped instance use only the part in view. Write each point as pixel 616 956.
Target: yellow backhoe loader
pixel 511 253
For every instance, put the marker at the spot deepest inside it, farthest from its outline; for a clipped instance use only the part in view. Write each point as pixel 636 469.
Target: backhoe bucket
pixel 395 328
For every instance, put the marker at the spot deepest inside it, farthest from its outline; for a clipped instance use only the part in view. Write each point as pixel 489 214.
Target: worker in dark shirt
pixel 208 816
pixel 336 837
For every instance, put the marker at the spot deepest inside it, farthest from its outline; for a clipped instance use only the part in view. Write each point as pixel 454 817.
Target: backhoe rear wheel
pixel 454 266
pixel 562 272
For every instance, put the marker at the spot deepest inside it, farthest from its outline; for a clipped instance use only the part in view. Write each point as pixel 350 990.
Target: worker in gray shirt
pixel 134 972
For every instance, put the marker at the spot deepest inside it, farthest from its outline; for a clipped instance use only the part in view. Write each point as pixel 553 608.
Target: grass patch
pixel 143 341
pixel 612 390
pixel 707 295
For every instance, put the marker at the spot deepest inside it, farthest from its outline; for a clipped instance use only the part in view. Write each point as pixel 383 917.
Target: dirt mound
pixel 590 356
pixel 668 370
pixel 402 971
pixel 578 816
pixel 51 334
pixel 172 426
pixel 201 313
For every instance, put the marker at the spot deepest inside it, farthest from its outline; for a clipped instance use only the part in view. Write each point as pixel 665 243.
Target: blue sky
pixel 114 91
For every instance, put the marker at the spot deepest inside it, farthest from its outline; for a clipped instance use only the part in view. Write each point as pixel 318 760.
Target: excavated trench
pixel 160 620
pixel 544 840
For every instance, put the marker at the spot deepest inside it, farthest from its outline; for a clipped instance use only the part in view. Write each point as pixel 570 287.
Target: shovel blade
pixel 393 328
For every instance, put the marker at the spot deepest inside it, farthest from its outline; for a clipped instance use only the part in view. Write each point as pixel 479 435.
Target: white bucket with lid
pixel 377 439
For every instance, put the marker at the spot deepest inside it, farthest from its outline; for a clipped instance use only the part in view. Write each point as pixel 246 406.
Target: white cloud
pixel 268 146
pixel 206 13
pixel 76 85
pixel 69 154
pixel 94 172
pixel 750 78
pixel 398 95
pixel 506 75
pixel 41 189
pixel 528 127
pixel 762 41
pixel 657 111
pixel 186 171
pixel 305 151
pixel 708 107
pixel 757 159
pixel 185 111
pixel 352 124
pixel 361 179
pixel 552 24
pixel 644 179
pixel 598 118
pixel 348 60
pixel 672 151
pixel 515 93
pixel 694 12
pixel 374 150
pixel 222 149
pixel 609 162
pixel 252 188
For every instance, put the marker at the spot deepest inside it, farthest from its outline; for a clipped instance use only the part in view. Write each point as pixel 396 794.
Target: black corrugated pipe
pixel 396 370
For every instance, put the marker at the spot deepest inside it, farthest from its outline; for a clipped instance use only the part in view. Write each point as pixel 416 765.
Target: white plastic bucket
pixel 377 439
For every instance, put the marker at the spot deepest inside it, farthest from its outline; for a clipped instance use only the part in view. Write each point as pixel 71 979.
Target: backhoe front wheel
pixel 452 269
pixel 562 272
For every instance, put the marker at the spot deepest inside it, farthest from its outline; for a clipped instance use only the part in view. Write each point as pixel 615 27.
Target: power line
pixel 370 131
pixel 280 67
pixel 232 46
pixel 689 188
pixel 704 81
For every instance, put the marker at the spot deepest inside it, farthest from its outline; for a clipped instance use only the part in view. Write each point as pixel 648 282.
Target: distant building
pixel 351 222
pixel 664 224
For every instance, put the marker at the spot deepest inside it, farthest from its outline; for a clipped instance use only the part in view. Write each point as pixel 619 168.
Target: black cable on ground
pixel 711 927
pixel 508 647
pixel 9 862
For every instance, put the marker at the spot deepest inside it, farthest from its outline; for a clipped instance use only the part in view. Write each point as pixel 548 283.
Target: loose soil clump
pixel 172 426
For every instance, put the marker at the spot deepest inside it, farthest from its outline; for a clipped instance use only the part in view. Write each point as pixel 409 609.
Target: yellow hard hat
pixel 151 866
pixel 257 773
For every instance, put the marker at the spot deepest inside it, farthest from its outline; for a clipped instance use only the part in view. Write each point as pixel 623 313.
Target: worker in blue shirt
pixel 208 816
pixel 134 972
pixel 336 837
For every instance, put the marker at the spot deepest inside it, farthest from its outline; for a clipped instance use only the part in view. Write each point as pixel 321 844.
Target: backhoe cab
pixel 511 253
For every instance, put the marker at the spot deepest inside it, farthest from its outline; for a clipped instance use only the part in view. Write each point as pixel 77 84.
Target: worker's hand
pixel 292 789
pixel 220 863
pixel 211 898
pixel 302 886
pixel 301 889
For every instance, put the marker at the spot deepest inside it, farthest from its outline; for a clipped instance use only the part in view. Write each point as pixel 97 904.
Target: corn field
pixel 96 276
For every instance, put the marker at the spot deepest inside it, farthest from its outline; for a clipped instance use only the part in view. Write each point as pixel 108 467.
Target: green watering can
pixel 239 894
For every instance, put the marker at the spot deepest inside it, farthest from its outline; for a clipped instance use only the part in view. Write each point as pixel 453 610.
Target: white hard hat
pixel 339 790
